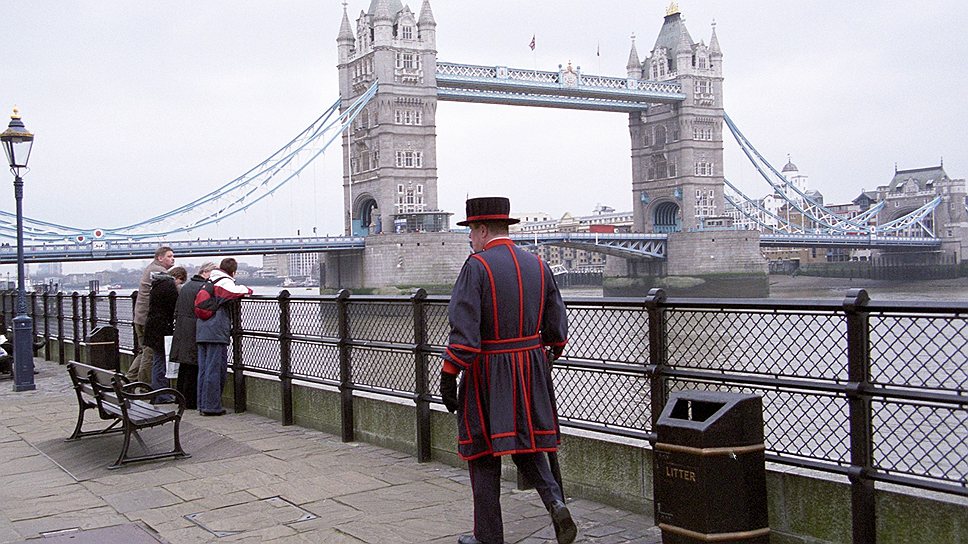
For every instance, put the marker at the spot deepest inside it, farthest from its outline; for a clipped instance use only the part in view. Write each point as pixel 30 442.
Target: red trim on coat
pixel 480 412
pixel 450 368
pixel 490 278
pixel 512 452
pixel 506 340
pixel 517 270
pixel 466 348
pixel 541 307
pixel 550 431
pixel 476 455
pixel 503 435
pixel 457 359
pixel 498 242
pixel 527 399
pixel 514 399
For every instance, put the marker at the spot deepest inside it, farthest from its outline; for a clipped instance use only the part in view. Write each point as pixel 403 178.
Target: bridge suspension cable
pixel 234 197
pixel 825 220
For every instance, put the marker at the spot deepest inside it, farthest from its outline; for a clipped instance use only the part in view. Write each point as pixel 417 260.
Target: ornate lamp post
pixel 17 142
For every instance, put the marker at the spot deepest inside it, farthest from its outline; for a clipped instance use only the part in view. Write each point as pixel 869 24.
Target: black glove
pixel 448 391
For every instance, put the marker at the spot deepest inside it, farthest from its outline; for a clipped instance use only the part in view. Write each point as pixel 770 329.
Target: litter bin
pixel 710 470
pixel 103 349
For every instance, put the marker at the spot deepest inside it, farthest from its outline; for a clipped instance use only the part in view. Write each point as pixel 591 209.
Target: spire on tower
pixel 634 63
pixel 714 42
pixel 345 31
pixel 426 15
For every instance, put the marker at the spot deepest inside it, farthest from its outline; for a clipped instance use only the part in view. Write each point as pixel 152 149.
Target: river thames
pixel 786 287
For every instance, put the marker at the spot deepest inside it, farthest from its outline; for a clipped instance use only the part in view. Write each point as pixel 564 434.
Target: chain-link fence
pixel 853 387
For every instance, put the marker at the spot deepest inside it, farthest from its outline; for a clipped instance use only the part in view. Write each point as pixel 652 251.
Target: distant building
pixel 572 259
pixel 50 270
pixel 289 265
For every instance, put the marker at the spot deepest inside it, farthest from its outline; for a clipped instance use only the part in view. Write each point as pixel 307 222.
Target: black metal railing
pixel 874 391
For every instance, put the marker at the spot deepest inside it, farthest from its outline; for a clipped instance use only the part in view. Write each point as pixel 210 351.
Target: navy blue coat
pixel 506 318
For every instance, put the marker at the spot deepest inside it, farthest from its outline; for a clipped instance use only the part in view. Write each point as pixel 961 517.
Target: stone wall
pixel 414 259
pixel 715 252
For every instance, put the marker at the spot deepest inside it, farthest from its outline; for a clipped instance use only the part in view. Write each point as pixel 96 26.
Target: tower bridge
pixel 390 83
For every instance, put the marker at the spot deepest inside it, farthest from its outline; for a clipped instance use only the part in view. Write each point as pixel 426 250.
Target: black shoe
pixel 219 413
pixel 565 528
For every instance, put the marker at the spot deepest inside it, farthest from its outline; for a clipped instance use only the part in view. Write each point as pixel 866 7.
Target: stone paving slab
pixel 284 485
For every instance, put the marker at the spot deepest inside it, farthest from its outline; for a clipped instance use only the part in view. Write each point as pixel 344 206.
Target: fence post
pixel 136 344
pixel 76 324
pixel 345 374
pixel 657 352
pixel 113 309
pixel 33 317
pixel 93 306
pixel 862 506
pixel 238 368
pixel 45 302
pixel 61 349
pixel 83 316
pixel 285 356
pixel 422 375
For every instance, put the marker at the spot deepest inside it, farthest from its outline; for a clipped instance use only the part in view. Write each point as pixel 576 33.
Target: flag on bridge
pixel 532 42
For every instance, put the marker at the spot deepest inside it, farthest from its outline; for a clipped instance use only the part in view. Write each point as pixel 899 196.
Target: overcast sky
pixel 140 106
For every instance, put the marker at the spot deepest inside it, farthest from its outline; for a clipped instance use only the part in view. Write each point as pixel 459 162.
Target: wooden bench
pixel 127 404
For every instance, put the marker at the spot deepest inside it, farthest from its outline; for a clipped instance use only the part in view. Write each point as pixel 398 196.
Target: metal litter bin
pixel 103 349
pixel 710 471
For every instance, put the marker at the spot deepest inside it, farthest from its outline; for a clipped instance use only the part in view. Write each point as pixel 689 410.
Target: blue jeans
pixel 212 373
pixel 158 379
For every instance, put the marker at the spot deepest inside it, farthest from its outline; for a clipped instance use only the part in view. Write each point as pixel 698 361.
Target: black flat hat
pixel 488 208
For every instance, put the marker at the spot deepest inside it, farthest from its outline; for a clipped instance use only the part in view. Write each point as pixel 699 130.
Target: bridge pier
pixel 723 263
pixel 398 262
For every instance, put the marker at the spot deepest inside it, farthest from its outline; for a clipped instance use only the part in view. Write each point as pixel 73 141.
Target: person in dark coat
pixel 507 323
pixel 159 322
pixel 184 351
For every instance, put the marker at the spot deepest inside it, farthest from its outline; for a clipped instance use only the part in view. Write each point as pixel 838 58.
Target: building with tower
pixel 677 149
pixel 390 184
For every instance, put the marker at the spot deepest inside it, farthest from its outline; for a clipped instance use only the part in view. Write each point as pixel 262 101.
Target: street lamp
pixel 17 142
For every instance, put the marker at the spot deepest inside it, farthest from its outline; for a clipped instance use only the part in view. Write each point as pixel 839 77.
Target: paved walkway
pixel 249 480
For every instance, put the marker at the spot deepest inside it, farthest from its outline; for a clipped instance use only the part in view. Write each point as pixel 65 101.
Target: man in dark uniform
pixel 507 324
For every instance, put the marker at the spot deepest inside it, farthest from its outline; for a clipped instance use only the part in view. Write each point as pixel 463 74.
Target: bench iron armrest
pixel 153 394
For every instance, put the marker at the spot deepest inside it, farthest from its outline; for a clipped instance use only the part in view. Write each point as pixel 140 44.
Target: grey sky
pixel 141 106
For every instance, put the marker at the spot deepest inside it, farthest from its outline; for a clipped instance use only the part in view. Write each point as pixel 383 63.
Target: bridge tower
pixel 389 154
pixel 677 149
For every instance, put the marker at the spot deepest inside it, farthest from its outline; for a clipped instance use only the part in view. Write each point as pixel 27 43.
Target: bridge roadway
pixel 619 244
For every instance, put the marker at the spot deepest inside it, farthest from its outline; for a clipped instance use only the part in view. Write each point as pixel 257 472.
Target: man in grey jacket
pixel 140 368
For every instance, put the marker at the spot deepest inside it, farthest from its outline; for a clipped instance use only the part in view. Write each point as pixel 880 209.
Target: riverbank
pixel 785 286
pixel 814 287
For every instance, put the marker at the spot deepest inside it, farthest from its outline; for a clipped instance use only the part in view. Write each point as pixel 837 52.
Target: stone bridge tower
pixel 677 150
pixel 389 155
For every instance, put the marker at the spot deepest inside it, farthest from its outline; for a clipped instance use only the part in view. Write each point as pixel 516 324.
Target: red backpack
pixel 206 303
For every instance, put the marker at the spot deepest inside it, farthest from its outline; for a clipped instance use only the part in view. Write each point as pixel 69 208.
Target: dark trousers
pixel 486 486
pixel 188 384
pixel 212 373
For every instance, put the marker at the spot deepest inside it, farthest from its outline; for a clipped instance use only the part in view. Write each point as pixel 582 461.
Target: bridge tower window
pixel 407 32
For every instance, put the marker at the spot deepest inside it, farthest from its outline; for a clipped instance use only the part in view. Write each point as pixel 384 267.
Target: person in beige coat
pixel 140 369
